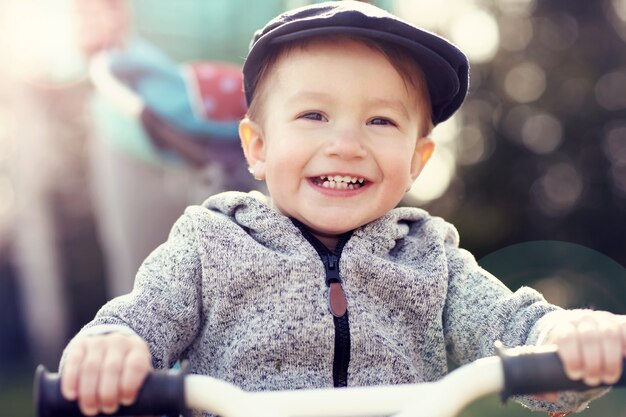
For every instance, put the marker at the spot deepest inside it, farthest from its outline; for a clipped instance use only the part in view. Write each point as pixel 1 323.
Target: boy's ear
pixel 424 149
pixel 253 145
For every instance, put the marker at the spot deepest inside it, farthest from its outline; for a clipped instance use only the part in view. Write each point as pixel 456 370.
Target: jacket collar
pixel 265 224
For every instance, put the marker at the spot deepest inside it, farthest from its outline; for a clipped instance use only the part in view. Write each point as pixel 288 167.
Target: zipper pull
pixel 336 296
pixel 337 300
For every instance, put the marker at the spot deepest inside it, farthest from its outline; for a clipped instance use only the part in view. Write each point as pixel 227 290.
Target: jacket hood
pixel 255 212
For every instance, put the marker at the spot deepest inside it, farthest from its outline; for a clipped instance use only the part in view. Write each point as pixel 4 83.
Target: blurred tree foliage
pixel 553 167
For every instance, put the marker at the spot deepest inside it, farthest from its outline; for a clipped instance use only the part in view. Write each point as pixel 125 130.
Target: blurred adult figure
pixel 51 239
pixel 142 182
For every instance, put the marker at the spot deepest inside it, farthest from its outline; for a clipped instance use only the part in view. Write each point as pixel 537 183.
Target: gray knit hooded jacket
pixel 239 292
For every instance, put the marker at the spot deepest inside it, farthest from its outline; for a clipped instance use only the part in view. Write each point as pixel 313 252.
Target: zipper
pixel 337 302
pixel 336 297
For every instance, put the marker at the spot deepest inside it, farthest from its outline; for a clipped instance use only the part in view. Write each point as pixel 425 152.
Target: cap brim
pixel 442 79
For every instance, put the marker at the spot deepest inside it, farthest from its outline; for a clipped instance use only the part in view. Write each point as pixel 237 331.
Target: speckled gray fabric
pixel 239 292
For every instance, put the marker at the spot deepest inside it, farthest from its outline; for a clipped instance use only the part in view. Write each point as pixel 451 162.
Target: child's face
pixel 338 144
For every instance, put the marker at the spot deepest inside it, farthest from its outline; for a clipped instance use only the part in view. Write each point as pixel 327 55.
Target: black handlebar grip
pixel 163 393
pixel 536 370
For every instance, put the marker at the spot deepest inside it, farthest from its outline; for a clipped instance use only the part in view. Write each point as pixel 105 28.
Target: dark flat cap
pixel 446 68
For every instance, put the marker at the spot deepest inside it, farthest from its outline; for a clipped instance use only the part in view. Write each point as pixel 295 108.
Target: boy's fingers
pixel 70 376
pixel 612 352
pixel 109 386
pixel 592 351
pixel 89 378
pixel 136 367
pixel 566 338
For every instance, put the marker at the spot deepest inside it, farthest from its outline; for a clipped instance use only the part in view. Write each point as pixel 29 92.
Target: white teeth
pixel 341 179
pixel 340 182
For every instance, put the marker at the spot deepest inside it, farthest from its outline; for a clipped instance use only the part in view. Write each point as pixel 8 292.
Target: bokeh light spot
pixel 557 290
pixel 558 32
pixel 611 90
pixel 615 143
pixel 616 15
pixel 424 13
pixel 618 175
pixel 542 133
pixel 614 146
pixel 515 33
pixel 559 189
pixel 516 7
pixel 477 34
pixel 619 6
pixel 435 178
pixel 40 42
pixel 474 146
pixel 514 121
pixel 525 82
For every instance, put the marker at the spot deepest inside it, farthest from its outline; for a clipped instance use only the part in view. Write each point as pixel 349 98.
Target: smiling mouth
pixel 339 182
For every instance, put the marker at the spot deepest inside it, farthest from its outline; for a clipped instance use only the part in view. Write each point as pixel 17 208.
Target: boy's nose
pixel 346 144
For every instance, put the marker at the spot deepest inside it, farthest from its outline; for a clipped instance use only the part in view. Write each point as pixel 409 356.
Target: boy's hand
pixel 592 346
pixel 104 371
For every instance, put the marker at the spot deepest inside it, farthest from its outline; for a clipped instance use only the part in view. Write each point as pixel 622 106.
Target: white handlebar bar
pixel 466 385
pixel 513 372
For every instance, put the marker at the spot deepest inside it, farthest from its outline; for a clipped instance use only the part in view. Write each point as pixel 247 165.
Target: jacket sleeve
pixel 164 307
pixel 480 310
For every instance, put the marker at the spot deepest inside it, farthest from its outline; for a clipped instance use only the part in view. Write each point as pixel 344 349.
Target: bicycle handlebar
pixel 518 371
pixel 161 394
pixel 531 370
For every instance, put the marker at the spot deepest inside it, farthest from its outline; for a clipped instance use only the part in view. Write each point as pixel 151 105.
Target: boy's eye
pixel 313 116
pixel 381 121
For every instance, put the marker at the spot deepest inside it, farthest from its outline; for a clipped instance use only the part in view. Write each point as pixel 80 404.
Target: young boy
pixel 326 283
